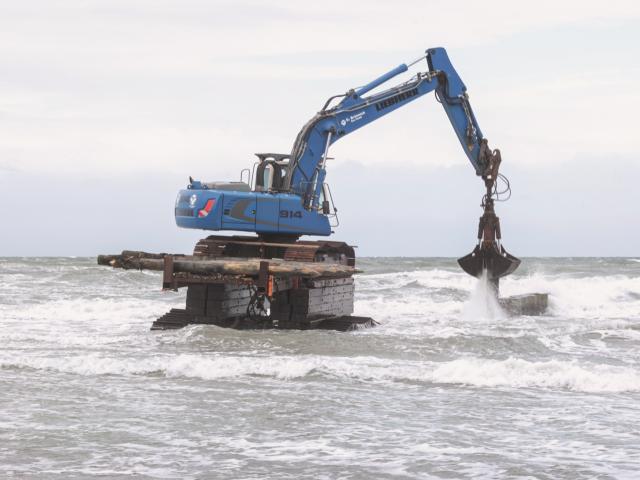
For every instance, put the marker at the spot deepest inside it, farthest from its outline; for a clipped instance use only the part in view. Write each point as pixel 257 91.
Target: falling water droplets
pixel 483 303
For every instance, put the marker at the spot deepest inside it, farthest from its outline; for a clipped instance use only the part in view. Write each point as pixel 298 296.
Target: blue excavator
pixel 285 196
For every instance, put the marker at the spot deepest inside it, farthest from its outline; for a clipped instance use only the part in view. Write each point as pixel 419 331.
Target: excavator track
pixel 237 246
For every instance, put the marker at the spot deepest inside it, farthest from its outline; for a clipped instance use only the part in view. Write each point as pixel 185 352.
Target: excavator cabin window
pixel 270 172
pixel 267 177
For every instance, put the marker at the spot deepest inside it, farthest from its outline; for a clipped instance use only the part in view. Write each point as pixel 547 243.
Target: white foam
pixel 520 373
pixel 411 299
pixel 473 371
pixel 605 296
pixel 183 365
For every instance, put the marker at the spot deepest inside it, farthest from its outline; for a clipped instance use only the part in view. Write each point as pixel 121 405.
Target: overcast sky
pixel 107 107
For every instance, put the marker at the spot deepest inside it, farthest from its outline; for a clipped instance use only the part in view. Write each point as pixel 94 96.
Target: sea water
pixel 448 386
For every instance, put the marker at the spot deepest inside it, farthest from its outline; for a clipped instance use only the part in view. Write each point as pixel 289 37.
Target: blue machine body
pixel 296 204
pixel 264 213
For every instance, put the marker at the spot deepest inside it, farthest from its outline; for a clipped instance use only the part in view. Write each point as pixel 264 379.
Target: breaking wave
pixel 452 294
pixel 471 371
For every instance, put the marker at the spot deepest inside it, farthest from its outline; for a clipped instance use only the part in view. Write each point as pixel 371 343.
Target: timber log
pixel 228 266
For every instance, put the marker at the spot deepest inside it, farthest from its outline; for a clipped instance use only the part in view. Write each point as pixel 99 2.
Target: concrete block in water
pixel 527 304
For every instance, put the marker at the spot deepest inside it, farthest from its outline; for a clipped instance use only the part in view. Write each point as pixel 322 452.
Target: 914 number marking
pixel 290 214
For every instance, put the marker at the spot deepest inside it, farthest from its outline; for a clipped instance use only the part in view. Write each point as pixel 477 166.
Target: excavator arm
pixel 307 168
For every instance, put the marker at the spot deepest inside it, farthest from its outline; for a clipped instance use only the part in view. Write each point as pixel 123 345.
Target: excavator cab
pixel 270 171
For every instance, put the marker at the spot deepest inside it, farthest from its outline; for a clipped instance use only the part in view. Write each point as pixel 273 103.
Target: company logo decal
pixel 401 97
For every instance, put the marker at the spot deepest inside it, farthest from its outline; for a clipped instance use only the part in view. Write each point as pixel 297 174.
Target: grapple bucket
pixel 497 263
